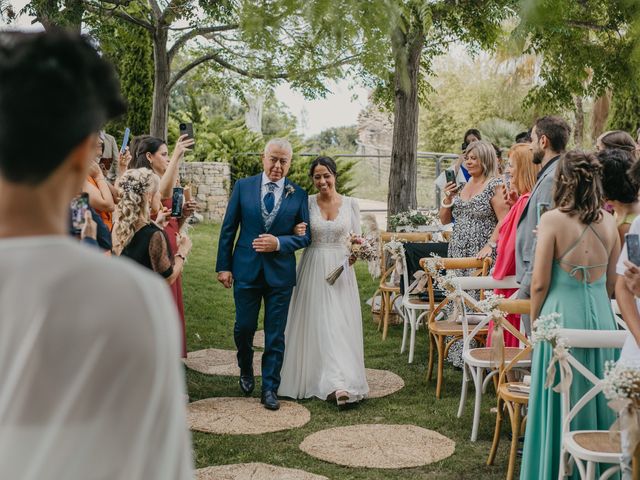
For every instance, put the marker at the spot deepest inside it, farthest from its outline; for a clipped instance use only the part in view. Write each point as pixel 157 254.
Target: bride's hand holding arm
pixel 300 229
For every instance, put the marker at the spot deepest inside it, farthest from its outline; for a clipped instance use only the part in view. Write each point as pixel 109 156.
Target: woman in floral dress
pixel 476 209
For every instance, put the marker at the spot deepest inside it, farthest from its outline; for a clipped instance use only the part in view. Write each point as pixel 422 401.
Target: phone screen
pixel 450 175
pixel 633 247
pixel 125 140
pixel 177 201
pixel 541 208
pixel 507 181
pixel 79 206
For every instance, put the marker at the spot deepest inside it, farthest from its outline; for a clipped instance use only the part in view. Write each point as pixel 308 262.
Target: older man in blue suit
pixel 262 266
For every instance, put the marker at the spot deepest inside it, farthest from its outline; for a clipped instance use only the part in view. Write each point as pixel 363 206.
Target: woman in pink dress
pixel 523 173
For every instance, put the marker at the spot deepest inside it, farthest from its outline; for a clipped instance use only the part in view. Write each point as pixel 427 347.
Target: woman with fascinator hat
pixel 573 275
pixel 136 236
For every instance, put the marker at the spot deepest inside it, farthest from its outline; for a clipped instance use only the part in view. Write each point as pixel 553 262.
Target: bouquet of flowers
pixel 360 247
pixel 622 382
pixel 546 329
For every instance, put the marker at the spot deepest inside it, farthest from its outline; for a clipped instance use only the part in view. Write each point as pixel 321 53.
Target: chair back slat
pixel 481 267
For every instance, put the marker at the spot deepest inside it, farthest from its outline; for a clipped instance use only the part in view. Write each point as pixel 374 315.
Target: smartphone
pixel 633 247
pixel 187 129
pixel 507 182
pixel 79 206
pixel 541 208
pixel 125 141
pixel 450 175
pixel 464 146
pixel 176 201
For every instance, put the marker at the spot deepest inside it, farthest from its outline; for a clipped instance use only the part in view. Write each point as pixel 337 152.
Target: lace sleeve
pixel 159 254
pixel 355 217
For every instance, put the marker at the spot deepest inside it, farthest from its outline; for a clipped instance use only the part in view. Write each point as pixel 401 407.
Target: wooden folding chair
pixel 439 330
pixel 389 292
pixel 510 395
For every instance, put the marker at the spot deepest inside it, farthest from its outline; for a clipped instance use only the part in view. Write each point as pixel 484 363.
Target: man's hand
pixel 632 278
pixel 226 279
pixel 265 243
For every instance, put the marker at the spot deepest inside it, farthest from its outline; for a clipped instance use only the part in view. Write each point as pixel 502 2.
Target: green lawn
pixel 210 315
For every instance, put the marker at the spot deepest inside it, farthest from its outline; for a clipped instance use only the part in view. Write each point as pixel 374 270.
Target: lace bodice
pixel 334 231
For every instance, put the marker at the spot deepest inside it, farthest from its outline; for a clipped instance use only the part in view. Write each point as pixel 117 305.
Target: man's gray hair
pixel 279 142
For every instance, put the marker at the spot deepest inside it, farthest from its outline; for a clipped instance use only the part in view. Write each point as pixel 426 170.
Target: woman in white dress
pixel 324 354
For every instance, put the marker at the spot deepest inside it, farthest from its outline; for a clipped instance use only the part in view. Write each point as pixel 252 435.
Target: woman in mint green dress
pixel 574 275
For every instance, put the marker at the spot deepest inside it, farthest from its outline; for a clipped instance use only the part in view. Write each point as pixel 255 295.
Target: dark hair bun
pixel 327 162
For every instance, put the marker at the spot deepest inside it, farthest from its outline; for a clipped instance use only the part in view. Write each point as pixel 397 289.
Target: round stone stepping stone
pixel 383 382
pixel 254 471
pixel 378 446
pixel 258 339
pixel 213 361
pixel 244 416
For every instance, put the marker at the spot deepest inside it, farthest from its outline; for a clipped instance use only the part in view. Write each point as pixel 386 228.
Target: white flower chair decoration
pixel 478 360
pixel 583 448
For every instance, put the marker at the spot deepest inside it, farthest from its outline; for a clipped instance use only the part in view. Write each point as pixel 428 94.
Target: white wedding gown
pixel 323 339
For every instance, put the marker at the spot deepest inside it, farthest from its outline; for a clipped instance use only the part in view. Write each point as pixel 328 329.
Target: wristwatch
pixel 493 245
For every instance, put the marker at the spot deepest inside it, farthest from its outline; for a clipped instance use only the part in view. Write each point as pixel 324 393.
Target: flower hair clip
pixel 137 188
pixel 289 190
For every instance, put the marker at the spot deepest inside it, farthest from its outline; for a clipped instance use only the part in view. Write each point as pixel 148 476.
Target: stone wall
pixel 210 183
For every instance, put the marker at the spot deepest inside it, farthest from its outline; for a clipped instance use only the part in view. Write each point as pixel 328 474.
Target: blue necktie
pixel 270 198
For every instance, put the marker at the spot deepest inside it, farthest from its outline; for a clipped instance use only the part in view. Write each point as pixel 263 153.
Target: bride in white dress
pixel 324 354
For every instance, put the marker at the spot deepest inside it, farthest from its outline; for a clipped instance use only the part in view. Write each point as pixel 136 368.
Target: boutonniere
pixel 289 190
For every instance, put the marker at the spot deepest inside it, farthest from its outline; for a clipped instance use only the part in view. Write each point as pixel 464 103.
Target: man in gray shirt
pixel 549 138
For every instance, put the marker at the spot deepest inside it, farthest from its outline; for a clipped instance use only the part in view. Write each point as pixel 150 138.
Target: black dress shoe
pixel 247 384
pixel 270 400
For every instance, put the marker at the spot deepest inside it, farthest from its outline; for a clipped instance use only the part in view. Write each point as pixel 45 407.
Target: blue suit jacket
pixel 244 210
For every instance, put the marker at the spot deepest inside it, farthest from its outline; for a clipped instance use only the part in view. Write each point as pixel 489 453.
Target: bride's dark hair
pixel 327 162
pixel 578 186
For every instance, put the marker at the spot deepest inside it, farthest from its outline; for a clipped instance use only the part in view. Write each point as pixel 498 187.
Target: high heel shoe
pixel 341 398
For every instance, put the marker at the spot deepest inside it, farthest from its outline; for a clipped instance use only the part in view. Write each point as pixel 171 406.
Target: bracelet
pixel 446 205
pixel 184 259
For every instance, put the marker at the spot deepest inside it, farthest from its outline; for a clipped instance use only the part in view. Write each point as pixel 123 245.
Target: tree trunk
pixel 403 175
pixel 162 75
pixel 600 115
pixel 253 114
pixel 578 132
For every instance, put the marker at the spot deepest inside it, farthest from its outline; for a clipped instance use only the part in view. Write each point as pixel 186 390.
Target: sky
pixel 339 108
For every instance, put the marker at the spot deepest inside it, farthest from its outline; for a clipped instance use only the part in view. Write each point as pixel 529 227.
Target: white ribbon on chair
pixel 561 357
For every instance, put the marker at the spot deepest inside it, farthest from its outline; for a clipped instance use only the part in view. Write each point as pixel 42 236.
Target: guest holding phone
pixel 153 153
pixel 136 236
pixel 478 208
